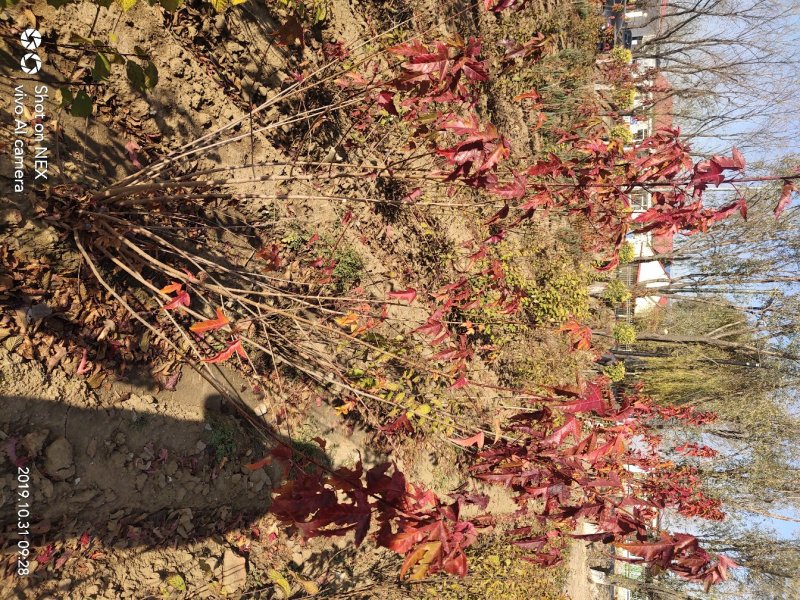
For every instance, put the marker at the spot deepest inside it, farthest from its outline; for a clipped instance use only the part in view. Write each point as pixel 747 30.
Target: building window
pixel 640 201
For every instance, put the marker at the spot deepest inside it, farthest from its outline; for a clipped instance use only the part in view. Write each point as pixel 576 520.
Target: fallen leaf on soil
pixel 408 295
pixel 460 383
pixel 255 466
pixel 176 582
pixel 289 33
pixel 346 320
pixel 172 381
pixel 477 440
pixel 82 368
pixel 56 358
pixel 11 452
pixel 132 148
pixel 310 587
pixel 278 579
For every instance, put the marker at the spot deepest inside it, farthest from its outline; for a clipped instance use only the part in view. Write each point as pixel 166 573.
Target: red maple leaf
pixel 407 295
pixel 211 324
pixel 476 440
pixel 233 348
pixel 786 197
pixel 182 299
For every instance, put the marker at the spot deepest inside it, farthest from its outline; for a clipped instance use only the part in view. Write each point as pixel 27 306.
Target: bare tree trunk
pixel 651 588
pixel 705 340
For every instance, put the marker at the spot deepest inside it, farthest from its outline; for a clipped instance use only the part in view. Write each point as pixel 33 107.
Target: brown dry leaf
pixel 12 342
pixel 61 352
pixel 26 349
pixel 289 33
pixel 6 282
pixel 144 342
pixel 496 429
pixel 96 379
pixel 108 327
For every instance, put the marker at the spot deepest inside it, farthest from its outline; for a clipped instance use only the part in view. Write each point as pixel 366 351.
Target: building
pixel 652 111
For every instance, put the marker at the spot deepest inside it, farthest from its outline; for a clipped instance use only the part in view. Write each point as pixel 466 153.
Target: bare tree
pixel 732 68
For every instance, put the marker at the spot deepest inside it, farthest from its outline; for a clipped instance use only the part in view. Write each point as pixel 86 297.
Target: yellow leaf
pixel 219 5
pixel 420 559
pixel 346 407
pixel 126 5
pixel 310 587
pixel 280 581
pixel 348 319
pixel 177 582
pixel 423 409
pixel 235 2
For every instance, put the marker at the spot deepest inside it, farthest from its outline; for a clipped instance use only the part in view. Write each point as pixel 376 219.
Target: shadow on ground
pixel 131 476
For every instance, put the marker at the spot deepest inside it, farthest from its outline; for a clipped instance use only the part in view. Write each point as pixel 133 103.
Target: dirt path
pixel 579 582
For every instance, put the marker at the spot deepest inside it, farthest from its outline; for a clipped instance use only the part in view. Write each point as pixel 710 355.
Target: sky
pixel 786 144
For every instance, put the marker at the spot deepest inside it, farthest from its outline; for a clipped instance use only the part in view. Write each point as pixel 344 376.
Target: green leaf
pixel 102 67
pixel 66 97
pixel 280 581
pixel 141 52
pixel 321 13
pixel 176 582
pixel 126 5
pixel 135 75
pixel 150 76
pixel 81 105
pixel 75 38
pixel 171 5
